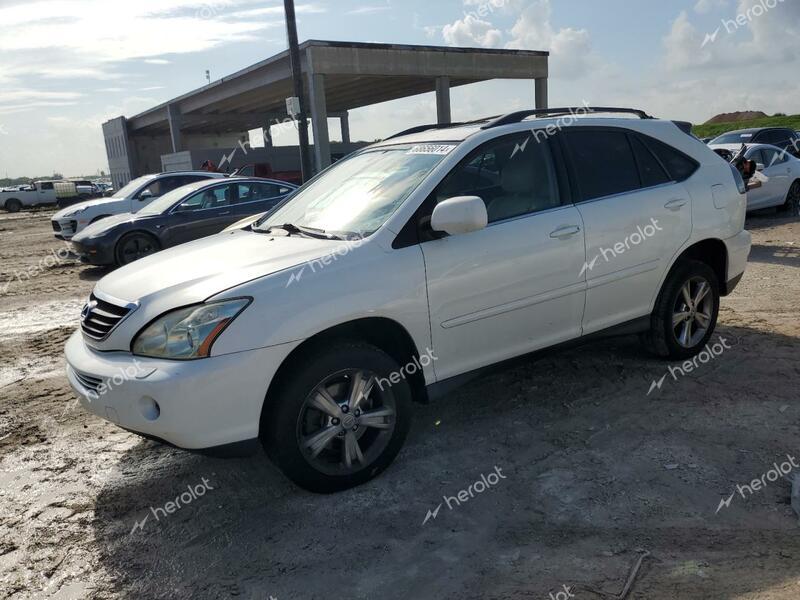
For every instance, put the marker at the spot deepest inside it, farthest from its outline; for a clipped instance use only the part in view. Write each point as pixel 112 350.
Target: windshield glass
pixel 357 195
pixel 733 138
pixel 132 186
pixel 163 203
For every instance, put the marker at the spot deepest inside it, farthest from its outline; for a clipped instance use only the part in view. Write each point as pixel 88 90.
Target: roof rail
pixel 421 128
pixel 521 115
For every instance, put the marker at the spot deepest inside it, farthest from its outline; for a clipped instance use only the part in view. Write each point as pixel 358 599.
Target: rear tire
pixel 685 314
pixel 318 431
pixel 13 205
pixel 792 204
pixel 133 246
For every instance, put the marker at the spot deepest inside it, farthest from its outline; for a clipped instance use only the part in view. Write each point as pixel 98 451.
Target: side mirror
pixel 462 214
pixel 760 166
pixel 146 195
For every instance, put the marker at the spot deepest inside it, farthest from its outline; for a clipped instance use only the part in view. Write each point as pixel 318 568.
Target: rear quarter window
pixel 679 166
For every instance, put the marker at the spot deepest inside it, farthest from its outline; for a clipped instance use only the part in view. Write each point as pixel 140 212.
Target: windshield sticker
pixel 747 135
pixel 440 149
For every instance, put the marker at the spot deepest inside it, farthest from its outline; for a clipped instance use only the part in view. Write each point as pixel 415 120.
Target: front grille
pixel 73 225
pixel 56 226
pixel 90 382
pixel 99 317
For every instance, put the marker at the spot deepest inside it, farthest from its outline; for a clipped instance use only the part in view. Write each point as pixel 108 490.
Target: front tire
pixel 335 420
pixel 685 314
pixel 13 205
pixel 133 246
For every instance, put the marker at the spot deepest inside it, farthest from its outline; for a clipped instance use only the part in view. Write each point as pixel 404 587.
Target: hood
pixel 87 204
pixel 197 270
pixel 102 226
pixel 730 147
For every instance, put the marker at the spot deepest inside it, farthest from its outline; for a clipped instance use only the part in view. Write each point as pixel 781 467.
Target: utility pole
pixel 297 77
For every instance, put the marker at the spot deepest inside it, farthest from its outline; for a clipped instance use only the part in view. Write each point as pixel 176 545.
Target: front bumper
pixel 195 405
pixel 94 254
pixel 64 229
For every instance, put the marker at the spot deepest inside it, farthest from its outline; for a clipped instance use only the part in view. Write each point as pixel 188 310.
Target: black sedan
pixel 182 215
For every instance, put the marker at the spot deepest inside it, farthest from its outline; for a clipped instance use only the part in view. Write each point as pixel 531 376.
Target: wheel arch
pixel 381 332
pixel 7 200
pixel 711 251
pixel 128 234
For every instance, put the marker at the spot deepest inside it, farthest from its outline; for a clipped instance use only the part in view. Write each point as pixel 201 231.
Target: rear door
pixel 636 214
pixel 204 213
pixel 255 197
pixel 776 179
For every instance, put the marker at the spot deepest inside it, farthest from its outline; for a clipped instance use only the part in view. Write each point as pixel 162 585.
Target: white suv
pixel 137 194
pixel 404 269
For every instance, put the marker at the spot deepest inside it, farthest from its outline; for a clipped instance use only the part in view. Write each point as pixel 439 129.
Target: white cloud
pixel 369 10
pixel 570 49
pixel 472 31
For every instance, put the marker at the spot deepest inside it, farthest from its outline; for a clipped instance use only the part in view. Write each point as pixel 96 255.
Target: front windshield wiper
pixel 290 228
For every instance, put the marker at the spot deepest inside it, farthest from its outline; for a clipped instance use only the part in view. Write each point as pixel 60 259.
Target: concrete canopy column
pixel 541 92
pixel 443 115
pixel 344 120
pixel 174 119
pixel 319 121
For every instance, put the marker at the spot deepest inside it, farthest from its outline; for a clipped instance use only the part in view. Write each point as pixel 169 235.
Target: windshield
pixel 357 195
pixel 127 190
pixel 733 138
pixel 163 203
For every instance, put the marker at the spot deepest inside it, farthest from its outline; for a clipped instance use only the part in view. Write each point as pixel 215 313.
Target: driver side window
pixel 217 197
pixel 513 175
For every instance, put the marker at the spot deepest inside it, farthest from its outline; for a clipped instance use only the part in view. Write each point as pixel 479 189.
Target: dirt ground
pixel 596 469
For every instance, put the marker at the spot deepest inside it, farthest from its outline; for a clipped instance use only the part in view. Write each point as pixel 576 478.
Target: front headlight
pixel 187 333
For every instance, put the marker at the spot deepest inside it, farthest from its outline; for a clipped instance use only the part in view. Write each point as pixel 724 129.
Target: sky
pixel 66 66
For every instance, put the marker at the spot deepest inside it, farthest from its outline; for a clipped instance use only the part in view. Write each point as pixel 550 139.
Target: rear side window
pixel 679 166
pixel 604 162
pixel 650 169
pixel 47 185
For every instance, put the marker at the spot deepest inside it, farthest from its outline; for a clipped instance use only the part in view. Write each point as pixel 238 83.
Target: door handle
pixel 675 204
pixel 225 213
pixel 565 231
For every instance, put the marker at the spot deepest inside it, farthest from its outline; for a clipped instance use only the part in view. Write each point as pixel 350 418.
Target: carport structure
pixel 338 77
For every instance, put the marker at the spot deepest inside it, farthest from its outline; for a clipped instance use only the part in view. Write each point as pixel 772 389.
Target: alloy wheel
pixel 346 422
pixel 137 247
pixel 692 312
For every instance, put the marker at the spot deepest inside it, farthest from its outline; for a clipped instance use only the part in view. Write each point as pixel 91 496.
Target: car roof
pixel 460 132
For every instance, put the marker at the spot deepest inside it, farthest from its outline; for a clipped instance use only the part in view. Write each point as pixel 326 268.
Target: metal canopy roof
pixel 356 75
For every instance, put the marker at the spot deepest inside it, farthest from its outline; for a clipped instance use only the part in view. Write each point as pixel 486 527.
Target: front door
pixel 204 213
pixel 516 285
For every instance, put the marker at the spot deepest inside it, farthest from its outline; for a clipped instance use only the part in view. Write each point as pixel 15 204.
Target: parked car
pixel 778 173
pixel 130 199
pixel 400 272
pixel 36 194
pixel 182 215
pixel 786 139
